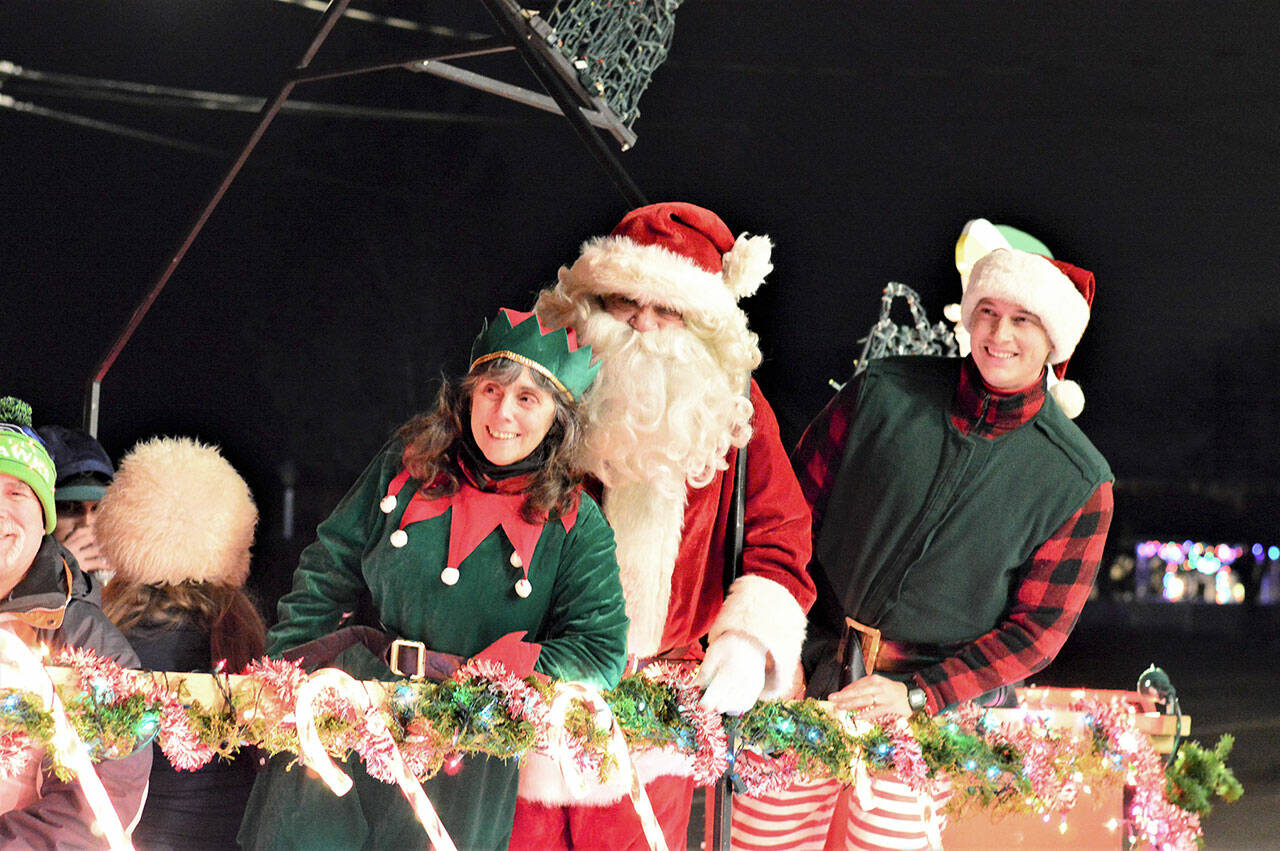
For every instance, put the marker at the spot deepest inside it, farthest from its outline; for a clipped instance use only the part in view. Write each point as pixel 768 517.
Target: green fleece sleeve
pixel 328 581
pixel 584 634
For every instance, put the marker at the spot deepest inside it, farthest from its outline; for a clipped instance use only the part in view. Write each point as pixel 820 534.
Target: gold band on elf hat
pixel 554 354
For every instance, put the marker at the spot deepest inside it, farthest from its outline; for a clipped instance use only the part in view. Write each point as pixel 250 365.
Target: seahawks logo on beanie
pixel 23 456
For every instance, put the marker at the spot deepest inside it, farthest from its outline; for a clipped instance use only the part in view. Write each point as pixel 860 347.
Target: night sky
pixel 354 259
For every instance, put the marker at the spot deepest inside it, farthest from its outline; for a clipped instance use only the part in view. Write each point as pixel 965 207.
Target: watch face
pixel 916 699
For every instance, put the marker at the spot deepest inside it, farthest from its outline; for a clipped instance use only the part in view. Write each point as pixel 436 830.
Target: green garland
pixel 1196 775
pixel 1019 768
pixel 649 714
pixel 802 728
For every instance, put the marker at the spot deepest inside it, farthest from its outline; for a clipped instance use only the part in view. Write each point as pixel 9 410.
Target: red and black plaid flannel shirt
pixel 1054 584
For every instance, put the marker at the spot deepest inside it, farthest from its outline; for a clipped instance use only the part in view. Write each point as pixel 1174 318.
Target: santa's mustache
pixel 609 337
pixel 662 409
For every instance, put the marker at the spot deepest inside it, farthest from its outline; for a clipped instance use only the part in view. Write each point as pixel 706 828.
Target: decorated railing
pixel 1024 760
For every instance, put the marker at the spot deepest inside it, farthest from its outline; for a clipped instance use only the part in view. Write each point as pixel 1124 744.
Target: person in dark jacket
pixel 960 512
pixel 46 601
pixel 84 471
pixel 177 524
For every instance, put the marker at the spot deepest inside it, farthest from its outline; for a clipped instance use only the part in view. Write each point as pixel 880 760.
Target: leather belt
pixel 406 658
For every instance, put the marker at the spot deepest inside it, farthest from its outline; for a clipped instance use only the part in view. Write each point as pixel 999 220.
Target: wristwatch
pixel 916 699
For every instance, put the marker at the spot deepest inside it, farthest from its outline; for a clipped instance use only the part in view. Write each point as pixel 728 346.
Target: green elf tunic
pixel 387 538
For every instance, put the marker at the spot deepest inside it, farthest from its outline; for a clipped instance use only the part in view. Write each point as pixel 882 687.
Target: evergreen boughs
pixel 1196 775
pixel 800 727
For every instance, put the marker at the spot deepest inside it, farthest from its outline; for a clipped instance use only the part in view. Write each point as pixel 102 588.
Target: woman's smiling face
pixel 508 421
pixel 1009 344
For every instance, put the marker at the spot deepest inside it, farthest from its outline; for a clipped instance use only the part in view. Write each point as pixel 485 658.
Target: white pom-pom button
pixel 399 538
pixel 516 561
pixel 388 504
pixel 523 588
pixel 449 576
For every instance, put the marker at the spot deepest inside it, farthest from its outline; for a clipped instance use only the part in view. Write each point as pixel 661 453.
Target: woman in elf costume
pixel 469 526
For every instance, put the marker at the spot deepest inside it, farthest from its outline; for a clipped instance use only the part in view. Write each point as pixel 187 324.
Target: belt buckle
pixel 419 658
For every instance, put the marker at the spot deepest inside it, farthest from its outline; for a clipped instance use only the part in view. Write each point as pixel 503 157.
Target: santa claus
pixel 657 300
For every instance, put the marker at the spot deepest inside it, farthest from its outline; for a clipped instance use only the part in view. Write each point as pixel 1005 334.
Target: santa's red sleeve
pixel 770 599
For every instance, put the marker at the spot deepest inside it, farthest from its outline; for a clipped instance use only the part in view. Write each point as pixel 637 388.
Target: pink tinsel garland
pixel 1154 818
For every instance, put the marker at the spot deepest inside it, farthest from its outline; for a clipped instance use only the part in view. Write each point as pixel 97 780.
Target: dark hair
pixel 236 630
pixel 431 443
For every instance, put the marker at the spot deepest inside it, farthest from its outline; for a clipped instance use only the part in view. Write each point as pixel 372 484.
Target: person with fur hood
pixel 176 524
pixel 674 403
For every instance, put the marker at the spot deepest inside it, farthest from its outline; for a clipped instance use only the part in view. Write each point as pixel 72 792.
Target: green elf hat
pixel 553 354
pixel 23 456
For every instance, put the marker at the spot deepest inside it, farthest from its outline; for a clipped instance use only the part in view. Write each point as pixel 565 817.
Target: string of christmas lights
pixel 989 761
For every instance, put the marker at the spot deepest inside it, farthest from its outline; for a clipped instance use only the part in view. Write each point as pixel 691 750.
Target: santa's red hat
pixel 1060 294
pixel 676 255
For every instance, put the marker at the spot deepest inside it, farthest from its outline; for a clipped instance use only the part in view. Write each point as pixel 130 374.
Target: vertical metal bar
pixel 507 16
pixel 91 406
pixel 265 116
pixel 722 808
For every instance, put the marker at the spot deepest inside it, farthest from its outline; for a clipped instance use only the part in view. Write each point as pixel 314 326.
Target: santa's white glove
pixel 733 673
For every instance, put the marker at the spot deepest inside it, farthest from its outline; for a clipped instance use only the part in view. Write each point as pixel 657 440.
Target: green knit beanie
pixel 23 456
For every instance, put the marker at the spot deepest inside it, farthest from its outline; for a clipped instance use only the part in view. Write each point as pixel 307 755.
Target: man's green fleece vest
pixel 926 528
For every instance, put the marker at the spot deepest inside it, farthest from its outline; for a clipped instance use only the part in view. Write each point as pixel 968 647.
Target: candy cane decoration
pixel 314 756
pixel 558 748
pixel 34 678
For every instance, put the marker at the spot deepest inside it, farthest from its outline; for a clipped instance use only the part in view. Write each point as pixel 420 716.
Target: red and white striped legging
pixel 824 815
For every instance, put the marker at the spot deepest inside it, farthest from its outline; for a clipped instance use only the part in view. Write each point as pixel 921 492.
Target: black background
pixel 353 260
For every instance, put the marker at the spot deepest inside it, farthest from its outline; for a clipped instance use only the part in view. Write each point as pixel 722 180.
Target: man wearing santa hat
pixel 657 300
pixel 958 510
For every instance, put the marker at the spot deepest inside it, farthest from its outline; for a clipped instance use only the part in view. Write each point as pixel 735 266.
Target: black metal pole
pixel 265 116
pixel 507 16
pixel 722 803
pixel 722 799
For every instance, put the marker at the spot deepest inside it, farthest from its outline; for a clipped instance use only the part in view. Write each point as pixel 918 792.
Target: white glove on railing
pixel 732 673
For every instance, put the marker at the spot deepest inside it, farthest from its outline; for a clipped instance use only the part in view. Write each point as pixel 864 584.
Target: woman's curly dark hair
pixel 431 443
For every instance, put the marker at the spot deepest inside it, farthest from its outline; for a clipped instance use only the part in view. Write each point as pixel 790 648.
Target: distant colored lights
pixel 1182 570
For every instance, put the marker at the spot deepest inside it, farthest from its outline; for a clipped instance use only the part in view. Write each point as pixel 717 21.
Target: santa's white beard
pixel 661 417
pixel 662 409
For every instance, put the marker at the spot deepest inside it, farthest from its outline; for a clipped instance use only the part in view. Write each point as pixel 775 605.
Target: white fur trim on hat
pixel 177 511
pixel 747 264
pixel 651 274
pixel 767 612
pixel 1034 284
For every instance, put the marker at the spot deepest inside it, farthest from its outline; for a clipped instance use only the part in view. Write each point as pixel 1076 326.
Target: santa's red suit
pixel 671 541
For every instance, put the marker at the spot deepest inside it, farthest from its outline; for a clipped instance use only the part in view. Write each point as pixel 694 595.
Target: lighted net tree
pixel 888 338
pixel 615 45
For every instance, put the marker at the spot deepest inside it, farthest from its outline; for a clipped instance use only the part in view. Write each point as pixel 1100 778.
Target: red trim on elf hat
pixel 515 317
